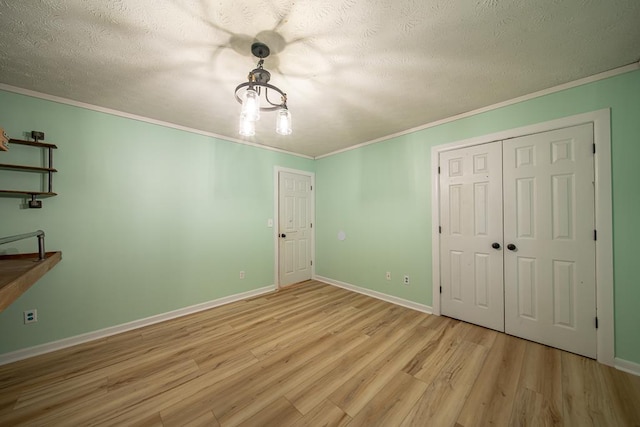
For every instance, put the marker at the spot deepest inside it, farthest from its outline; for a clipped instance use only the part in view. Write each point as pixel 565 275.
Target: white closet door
pixel 471 221
pixel 550 287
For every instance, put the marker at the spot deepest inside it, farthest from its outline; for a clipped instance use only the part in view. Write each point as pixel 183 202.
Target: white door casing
pixel 550 289
pixel 295 218
pixel 471 213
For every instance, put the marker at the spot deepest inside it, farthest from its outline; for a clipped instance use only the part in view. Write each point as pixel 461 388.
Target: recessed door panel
pixel 562 150
pixel 289 221
pixel 302 212
pixel 562 206
pixel 525 156
pixel 525 207
pixel 564 293
pixel 455 206
pixel 481 208
pixel 455 267
pixel 289 257
pixel 303 254
pixel 526 286
pixel 482 268
pixel 455 167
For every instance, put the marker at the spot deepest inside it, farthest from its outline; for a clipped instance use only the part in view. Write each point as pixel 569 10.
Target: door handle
pixel 283 235
pixel 495 245
pixel 511 247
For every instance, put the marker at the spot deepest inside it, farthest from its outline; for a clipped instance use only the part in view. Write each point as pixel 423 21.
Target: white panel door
pixel 294 230
pixel 549 257
pixel 471 220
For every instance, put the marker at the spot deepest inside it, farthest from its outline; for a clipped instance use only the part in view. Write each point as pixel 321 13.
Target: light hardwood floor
pixel 315 355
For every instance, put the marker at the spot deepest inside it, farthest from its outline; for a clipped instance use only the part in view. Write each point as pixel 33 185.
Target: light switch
pixel 270 223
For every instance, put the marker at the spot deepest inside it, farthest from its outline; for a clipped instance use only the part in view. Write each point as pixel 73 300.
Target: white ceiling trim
pixel 60 100
pixel 600 76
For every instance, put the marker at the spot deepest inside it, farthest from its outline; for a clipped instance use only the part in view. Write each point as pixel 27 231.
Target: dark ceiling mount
pixel 260 50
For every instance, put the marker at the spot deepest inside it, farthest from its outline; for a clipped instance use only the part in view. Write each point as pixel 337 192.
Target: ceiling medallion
pixel 254 94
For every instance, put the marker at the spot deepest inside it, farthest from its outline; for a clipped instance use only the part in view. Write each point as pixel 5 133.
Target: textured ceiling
pixel 354 70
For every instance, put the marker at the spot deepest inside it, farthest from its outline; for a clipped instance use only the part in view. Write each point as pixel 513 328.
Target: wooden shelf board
pixel 23 193
pixel 31 143
pixel 26 168
pixel 19 272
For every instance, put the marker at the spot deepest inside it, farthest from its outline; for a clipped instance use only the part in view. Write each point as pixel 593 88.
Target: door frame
pixel 601 119
pixel 276 219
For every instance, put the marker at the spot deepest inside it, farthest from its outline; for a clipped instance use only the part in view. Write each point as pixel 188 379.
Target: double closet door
pixel 517 244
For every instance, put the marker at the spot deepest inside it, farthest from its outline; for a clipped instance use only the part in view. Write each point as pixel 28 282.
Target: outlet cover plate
pixel 30 316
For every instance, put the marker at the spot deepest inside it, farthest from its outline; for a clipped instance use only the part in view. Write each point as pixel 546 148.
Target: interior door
pixel 549 219
pixel 294 228
pixel 471 235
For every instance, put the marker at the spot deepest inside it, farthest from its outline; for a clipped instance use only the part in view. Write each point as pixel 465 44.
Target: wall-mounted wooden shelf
pixel 49 170
pixel 26 168
pixel 32 143
pixel 19 272
pixel 21 194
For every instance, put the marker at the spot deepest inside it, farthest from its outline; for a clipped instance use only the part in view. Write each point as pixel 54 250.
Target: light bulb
pixel 251 105
pixel 247 127
pixel 283 122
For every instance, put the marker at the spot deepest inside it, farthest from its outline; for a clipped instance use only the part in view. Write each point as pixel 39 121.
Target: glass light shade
pixel 247 127
pixel 251 105
pixel 283 122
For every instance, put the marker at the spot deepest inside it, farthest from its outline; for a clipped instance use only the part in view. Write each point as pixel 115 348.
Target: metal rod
pixel 39 234
pixel 50 173
pixel 41 254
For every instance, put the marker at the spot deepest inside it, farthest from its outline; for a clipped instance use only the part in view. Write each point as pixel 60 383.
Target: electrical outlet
pixel 242 274
pixel 388 275
pixel 30 316
pixel 406 280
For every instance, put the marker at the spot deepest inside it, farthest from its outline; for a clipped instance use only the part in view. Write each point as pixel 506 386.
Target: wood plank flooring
pixel 315 355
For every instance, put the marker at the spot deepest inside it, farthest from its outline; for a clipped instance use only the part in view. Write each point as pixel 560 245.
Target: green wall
pixel 149 219
pixel 380 196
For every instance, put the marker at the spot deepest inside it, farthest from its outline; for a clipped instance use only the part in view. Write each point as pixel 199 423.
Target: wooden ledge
pixel 19 272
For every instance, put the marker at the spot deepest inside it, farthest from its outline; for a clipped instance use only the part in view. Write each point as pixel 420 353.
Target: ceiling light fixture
pixel 253 95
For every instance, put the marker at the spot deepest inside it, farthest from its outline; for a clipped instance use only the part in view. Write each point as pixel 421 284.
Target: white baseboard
pixel 627 366
pixel 375 294
pixel 113 330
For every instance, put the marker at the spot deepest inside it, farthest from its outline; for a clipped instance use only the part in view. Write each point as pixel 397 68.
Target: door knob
pixel 283 235
pixel 495 245
pixel 511 247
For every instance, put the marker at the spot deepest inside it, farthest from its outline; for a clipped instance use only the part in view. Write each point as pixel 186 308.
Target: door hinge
pixel 440 229
pixel 595 234
pixel 311 262
pixel 311 225
pixel 312 188
pixel 594 148
pixel 440 289
pixel 438 170
pixel 596 323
